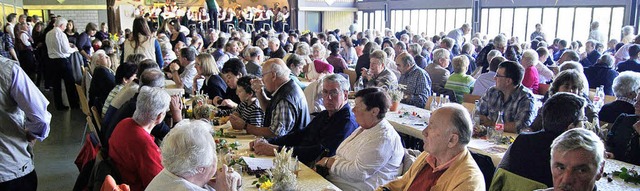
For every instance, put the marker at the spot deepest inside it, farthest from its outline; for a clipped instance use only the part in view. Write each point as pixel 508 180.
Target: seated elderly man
pixel 132 149
pixel 437 70
pixel 189 160
pixel 188 62
pixel 591 55
pixel 128 91
pixel 327 129
pixel 446 163
pixel 510 97
pixel 286 111
pixel 371 156
pixel 276 50
pixel 528 156
pixel 254 61
pixel 487 80
pixel 378 75
pixel 622 139
pixel 602 74
pixel 624 88
pixel 577 160
pixel 416 80
pixel 633 63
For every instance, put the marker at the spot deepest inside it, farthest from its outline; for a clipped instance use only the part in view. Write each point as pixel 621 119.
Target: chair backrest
pixel 96 117
pixel 470 98
pixel 609 99
pixel 84 103
pixel 543 89
pixel 352 76
pixel 505 180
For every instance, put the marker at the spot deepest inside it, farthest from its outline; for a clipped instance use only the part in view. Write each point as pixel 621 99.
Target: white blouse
pixel 367 160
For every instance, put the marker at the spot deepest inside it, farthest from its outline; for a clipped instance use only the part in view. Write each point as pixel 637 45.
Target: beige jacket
pixel 463 174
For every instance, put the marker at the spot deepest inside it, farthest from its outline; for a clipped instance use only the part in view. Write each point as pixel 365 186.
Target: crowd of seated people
pixel 259 86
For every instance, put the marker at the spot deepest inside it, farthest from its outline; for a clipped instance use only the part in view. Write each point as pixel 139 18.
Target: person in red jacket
pixel 131 147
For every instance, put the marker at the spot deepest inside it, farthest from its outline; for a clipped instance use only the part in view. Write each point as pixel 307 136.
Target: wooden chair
pixel 84 106
pixel 543 89
pixel 469 106
pixel 96 117
pixel 470 98
pixel 609 99
pixel 352 76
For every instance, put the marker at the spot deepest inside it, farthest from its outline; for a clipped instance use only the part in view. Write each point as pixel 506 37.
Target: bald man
pixel 285 109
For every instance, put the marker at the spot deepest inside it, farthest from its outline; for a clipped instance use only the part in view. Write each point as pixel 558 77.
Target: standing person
pixel 212 7
pixel 103 34
pixel 70 31
pixel 142 42
pixel 25 118
pixel 24 47
pixel 84 41
pixel 59 49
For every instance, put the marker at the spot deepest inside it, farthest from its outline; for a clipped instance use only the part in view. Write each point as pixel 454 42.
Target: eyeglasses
pixel 499 76
pixel 330 93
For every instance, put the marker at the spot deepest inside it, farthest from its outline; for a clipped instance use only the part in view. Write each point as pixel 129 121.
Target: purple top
pixel 32 102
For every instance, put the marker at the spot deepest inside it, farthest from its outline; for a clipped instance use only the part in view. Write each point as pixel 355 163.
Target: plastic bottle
pixel 476 116
pixel 446 99
pixel 601 95
pixel 499 127
pixel 359 84
pixel 441 101
pixel 434 104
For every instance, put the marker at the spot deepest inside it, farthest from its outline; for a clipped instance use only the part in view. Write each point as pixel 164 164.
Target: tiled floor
pixel 54 156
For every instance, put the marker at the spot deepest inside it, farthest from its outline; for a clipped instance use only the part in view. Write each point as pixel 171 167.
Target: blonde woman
pixel 213 84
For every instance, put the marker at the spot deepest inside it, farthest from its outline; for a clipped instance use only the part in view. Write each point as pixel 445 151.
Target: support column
pixel 476 10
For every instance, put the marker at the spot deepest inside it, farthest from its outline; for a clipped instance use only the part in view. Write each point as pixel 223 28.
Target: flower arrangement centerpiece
pixel 396 95
pixel 284 172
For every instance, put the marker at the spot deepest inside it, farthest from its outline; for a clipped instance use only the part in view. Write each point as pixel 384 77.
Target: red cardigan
pixel 135 155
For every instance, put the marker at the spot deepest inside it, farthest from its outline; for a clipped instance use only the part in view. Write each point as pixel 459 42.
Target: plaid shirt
pixel 418 87
pixel 518 108
pixel 282 119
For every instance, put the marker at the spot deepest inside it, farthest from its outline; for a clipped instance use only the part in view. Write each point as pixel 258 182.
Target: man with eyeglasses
pixel 529 156
pixel 285 109
pixel 326 131
pixel 510 97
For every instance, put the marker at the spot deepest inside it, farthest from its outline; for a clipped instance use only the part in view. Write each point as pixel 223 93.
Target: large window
pixel 372 19
pixel 569 23
pixel 429 21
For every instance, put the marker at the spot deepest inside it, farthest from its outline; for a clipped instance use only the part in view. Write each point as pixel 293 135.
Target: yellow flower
pixel 266 185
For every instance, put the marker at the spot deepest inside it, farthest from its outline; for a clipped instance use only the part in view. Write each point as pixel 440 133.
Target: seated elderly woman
pixel 570 81
pixel 602 74
pixel 131 148
pixel 371 156
pixel 103 79
pixel 459 82
pixel 624 87
pixel 378 75
pixel 530 80
pixel 622 139
pixel 189 160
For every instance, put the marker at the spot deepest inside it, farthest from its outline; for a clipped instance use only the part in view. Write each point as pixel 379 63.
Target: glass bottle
pixel 434 104
pixel 476 116
pixel 499 127
pixel 359 84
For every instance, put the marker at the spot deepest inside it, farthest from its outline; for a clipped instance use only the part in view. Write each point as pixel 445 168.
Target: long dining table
pixel 307 178
pixel 411 120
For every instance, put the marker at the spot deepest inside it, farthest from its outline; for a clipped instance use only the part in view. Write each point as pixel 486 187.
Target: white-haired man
pixel 131 146
pixel 189 160
pixel 437 70
pixel 458 34
pixel 286 111
pixel 276 50
pixel 254 57
pixel 59 49
pixel 577 160
pixel 445 158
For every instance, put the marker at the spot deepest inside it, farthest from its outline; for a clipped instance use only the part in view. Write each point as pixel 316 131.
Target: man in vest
pixel 286 111
pixel 24 118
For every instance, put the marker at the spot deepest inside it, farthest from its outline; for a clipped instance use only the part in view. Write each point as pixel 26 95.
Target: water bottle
pixel 434 104
pixel 499 127
pixel 476 116
pixel 601 95
pixel 446 99
pixel 441 101
pixel 359 84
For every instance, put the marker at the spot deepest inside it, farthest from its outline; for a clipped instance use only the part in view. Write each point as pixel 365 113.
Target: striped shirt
pixel 251 112
pixel 461 84
pixel 112 94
